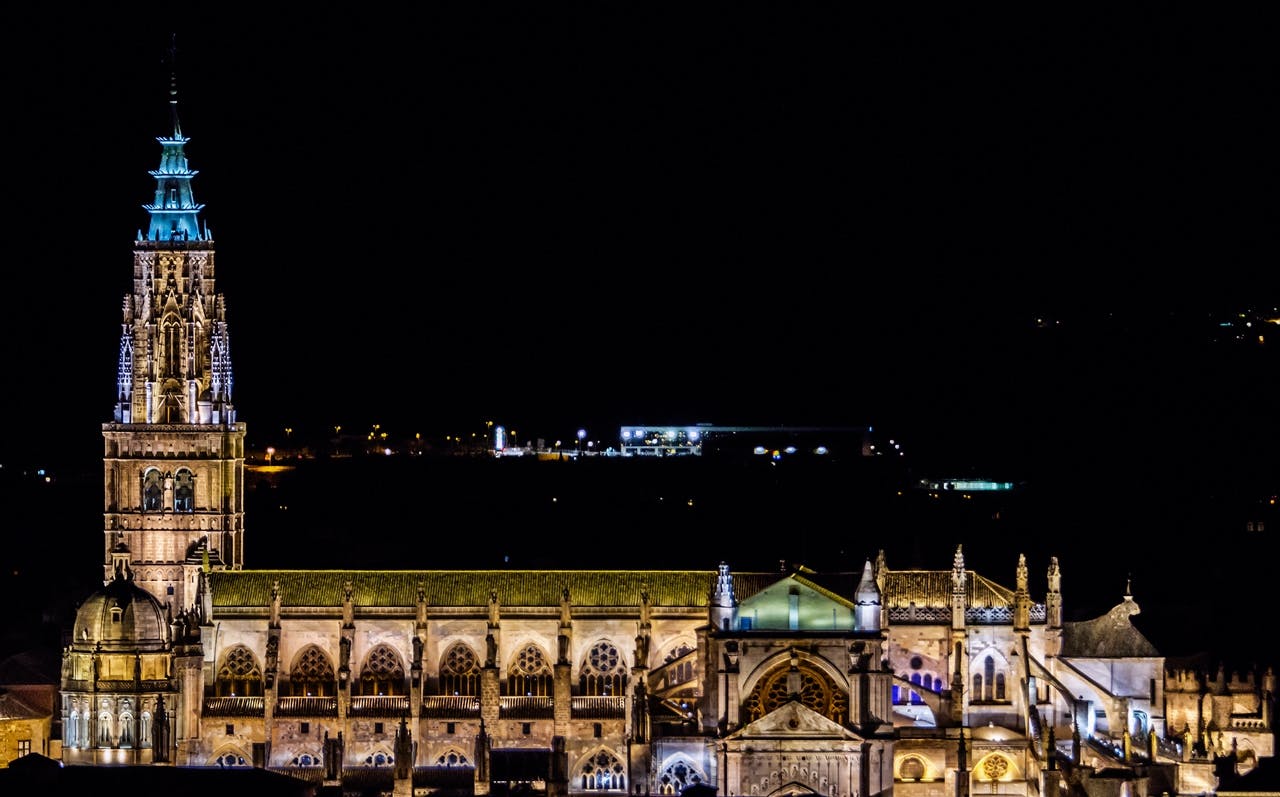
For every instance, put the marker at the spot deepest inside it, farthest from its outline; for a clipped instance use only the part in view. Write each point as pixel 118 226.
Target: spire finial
pixel 173 85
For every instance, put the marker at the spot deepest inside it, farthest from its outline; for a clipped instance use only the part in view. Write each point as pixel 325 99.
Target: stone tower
pixel 173 462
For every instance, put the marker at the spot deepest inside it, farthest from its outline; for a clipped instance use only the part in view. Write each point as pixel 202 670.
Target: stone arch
pixel 823 689
pixel 451 756
pixel 380 756
pixel 230 755
pixel 678 772
pixel 913 766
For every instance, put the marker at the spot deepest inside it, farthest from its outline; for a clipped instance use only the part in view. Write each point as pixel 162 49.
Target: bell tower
pixel 173 463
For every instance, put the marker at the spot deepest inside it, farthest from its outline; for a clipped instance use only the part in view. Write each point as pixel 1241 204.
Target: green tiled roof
pixel 462 587
pixel 932 588
pixel 541 588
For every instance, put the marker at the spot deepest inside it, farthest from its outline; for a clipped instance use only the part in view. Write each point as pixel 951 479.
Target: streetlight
pixel 582 433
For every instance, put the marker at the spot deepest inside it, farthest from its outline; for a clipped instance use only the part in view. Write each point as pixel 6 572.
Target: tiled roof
pixel 932 588
pixel 463 588
pixel 542 588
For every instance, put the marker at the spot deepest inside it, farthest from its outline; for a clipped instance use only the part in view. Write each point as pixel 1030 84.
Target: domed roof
pixel 121 616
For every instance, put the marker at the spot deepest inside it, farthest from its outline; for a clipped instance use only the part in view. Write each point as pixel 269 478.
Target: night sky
pixel 562 216
pixel 1007 236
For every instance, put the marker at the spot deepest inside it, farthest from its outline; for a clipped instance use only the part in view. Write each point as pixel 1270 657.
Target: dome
pixel 121 616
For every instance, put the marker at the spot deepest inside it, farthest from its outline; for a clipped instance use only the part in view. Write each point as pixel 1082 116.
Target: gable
pixel 793 720
pixel 790 604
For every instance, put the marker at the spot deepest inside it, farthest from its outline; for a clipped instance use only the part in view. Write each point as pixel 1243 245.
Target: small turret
pixel 867 601
pixel 723 601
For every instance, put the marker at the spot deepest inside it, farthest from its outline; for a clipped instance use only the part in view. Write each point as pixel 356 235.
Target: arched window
pixel 603 673
pixel 915 695
pixel 126 726
pixel 104 729
pixel 305 760
pixel 184 491
pixel 459 671
pixel 231 760
pixel 529 674
pixel 678 776
pixel 73 730
pixel 453 758
pixel 172 331
pixel 383 673
pixel 152 491
pixel 976 695
pixel 312 674
pixel 1000 686
pixel 144 730
pixel 603 772
pixel 817 692
pixel 239 675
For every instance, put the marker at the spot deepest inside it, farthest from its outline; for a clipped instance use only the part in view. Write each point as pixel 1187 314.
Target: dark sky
pixel 563 215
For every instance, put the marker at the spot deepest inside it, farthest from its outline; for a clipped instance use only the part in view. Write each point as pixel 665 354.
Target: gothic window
pixel 1000 686
pixel 915 695
pixel 239 675
pixel 231 760
pixel 172 347
pixel 976 694
pixel 144 730
pixel 126 729
pixel 816 693
pixel 73 730
pixel 184 491
pixel 305 760
pixel 312 674
pixel 383 674
pixel 529 674
pixel 152 491
pixel 989 670
pixel 603 772
pixel 603 673
pixel 453 759
pixel 104 729
pixel 460 671
pixel 678 776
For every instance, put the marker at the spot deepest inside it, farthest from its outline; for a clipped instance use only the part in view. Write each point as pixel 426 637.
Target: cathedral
pixel 927 683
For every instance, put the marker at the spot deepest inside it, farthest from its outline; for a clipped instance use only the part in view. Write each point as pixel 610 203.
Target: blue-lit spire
pixel 174 212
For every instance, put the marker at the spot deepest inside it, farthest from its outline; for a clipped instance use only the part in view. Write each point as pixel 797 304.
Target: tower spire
pixel 173 85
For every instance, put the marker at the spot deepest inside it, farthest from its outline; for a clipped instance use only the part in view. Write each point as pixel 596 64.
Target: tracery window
pixel 678 776
pixel 453 759
pixel 126 729
pixel 603 673
pixel 312 674
pixel 152 491
pixel 816 692
pixel 604 772
pixel 459 671
pixel 239 675
pixel 529 674
pixel 383 673
pixel 144 730
pixel 994 767
pixel 184 491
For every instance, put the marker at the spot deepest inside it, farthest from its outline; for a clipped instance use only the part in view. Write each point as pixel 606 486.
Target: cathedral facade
pixel 932 683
